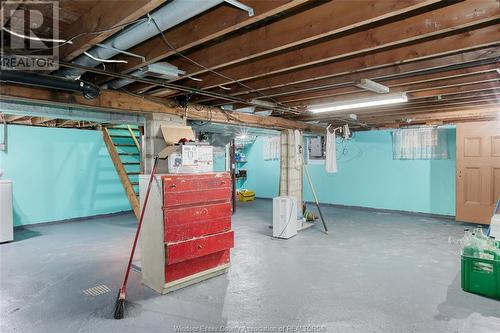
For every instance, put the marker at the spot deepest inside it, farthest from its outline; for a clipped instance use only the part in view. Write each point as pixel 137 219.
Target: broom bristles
pixel 119 307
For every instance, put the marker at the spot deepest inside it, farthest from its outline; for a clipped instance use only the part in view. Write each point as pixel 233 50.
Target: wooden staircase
pixel 124 148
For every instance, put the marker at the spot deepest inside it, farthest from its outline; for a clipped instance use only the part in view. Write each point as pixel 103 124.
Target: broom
pixel 120 301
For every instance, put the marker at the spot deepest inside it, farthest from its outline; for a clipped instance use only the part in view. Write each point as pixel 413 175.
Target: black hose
pixel 88 89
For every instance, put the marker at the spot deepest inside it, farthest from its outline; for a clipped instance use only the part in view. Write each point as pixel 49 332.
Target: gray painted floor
pixel 375 272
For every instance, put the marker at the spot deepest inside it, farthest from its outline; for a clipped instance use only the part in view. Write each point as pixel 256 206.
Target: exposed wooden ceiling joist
pixel 203 29
pixel 396 85
pixel 103 16
pixel 434 24
pixel 464 42
pixel 407 84
pixel 443 54
pixel 351 93
pixel 301 28
pixel 415 68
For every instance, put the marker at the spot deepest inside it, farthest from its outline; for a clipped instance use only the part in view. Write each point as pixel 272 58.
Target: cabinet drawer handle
pixel 199 246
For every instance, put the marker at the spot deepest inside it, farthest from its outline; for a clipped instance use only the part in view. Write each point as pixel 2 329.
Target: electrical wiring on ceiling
pixel 284 107
pixel 70 40
pixel 281 107
pixel 40 39
pixel 104 60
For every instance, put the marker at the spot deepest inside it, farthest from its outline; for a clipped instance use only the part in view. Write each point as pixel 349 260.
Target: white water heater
pixel 6 223
pixel 284 217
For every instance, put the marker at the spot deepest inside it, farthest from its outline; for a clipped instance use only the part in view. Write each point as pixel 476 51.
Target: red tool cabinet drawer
pixel 196 265
pixel 195 221
pixel 181 183
pixel 196 197
pixel 182 232
pixel 195 189
pixel 192 214
pixel 198 247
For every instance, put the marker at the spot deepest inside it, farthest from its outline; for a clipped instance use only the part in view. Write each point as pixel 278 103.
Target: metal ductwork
pixel 162 70
pixel 166 17
pixel 89 90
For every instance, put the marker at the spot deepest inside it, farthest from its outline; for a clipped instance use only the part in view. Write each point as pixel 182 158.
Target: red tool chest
pixel 196 227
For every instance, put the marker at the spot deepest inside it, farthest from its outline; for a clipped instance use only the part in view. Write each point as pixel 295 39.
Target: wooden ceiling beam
pixel 481 43
pixel 445 21
pixel 406 84
pixel 443 63
pixel 405 110
pixel 454 90
pixel 443 114
pixel 205 28
pixel 40 120
pixel 116 101
pixel 300 99
pixel 352 93
pixel 440 114
pixel 304 27
pixel 13 118
pixel 414 108
pixel 105 15
pixel 475 40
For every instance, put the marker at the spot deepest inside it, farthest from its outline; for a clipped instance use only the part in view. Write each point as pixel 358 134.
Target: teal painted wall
pixel 60 174
pixel 262 176
pixel 219 160
pixel 368 177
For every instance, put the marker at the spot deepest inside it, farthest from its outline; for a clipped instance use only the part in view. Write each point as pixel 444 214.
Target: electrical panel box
pixel 284 217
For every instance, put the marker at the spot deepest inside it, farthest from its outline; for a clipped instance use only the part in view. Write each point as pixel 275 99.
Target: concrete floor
pixel 375 272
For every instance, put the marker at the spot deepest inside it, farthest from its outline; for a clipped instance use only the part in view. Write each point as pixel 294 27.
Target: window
pixel 419 144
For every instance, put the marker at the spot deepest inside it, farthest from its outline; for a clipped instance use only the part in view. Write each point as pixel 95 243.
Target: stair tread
pixel 134 183
pixel 129 154
pixel 123 136
pixel 131 163
pixel 133 173
pixel 122 129
pixel 124 144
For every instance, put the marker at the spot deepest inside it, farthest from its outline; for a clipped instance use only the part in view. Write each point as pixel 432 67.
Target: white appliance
pixel 284 217
pixel 6 222
pixel 495 226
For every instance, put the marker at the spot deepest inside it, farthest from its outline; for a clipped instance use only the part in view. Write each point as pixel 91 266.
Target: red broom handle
pixel 137 232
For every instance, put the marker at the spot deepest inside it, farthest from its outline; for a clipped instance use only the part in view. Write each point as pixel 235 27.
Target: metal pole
pixel 233 173
pixel 315 198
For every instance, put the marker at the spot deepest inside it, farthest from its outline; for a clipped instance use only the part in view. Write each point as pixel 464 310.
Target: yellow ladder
pixel 124 149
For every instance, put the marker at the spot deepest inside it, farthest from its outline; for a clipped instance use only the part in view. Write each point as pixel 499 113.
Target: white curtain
pixel 420 144
pixel 271 148
pixel 331 152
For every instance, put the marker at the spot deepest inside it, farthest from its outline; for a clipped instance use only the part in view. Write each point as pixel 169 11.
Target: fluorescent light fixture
pixel 360 103
pixel 372 86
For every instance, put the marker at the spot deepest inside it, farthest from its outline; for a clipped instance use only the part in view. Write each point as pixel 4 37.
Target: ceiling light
pixel 372 86
pixel 360 103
